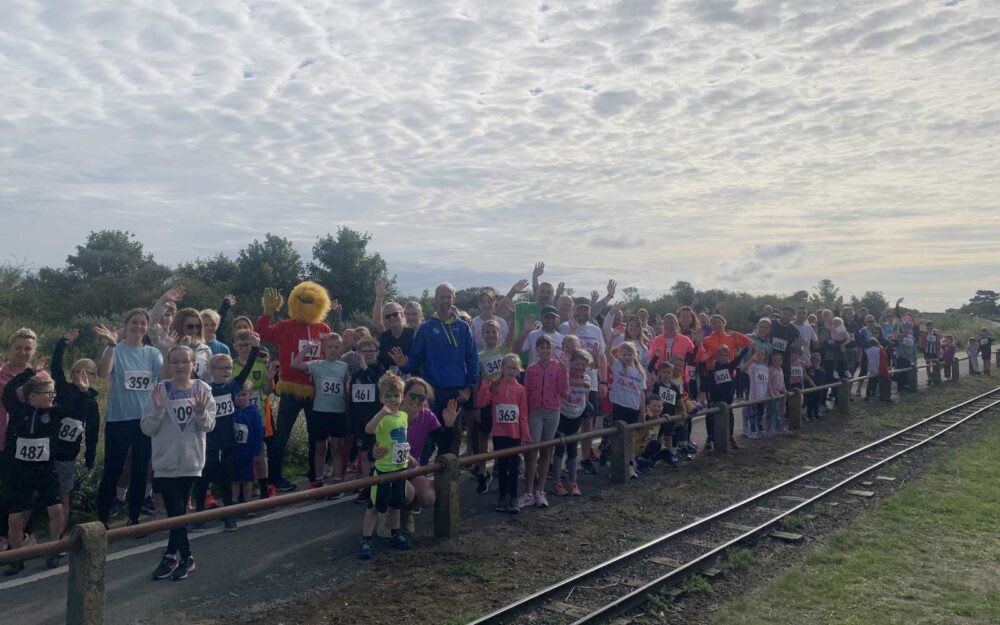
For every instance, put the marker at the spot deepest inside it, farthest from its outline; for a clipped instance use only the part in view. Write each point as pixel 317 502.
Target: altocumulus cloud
pixel 721 133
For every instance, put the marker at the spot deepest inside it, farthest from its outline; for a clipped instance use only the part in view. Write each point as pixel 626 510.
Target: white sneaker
pixel 540 499
pixel 632 473
pixel 526 500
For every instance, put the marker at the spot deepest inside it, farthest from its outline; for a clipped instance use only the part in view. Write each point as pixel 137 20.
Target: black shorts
pixel 363 441
pixel 485 422
pixel 569 426
pixel 385 496
pixel 24 483
pixel 324 425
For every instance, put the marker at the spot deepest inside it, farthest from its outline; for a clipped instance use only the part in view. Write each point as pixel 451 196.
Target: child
pixel 177 419
pixel 627 390
pixel 507 404
pixel 547 383
pixel 797 366
pixel 872 355
pixel 327 421
pixel 776 391
pixel 571 416
pixel 669 388
pixel 490 370
pixel 721 387
pixel 818 377
pixel 948 354
pixel 261 383
pixel 388 426
pixel 249 433
pixel 933 341
pixel 220 449
pixel 759 373
pixel 682 438
pixel 82 419
pixel 363 403
pixel 986 349
pixel 659 447
pixel 972 349
pixel 33 423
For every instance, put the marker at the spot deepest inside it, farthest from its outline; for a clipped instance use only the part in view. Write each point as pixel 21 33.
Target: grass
pixel 793 522
pixel 929 554
pixel 465 570
pixel 698 585
pixel 740 560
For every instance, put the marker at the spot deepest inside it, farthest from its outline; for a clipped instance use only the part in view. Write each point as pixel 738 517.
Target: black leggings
pixel 175 491
pixel 219 471
pixel 119 436
pixel 289 408
pixel 506 467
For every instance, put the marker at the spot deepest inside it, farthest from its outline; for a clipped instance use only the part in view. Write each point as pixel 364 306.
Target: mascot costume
pixel 308 305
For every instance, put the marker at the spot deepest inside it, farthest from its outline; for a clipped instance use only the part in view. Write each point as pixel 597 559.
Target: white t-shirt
pixel 808 335
pixel 627 387
pixel 477 332
pixel 591 339
pixel 529 344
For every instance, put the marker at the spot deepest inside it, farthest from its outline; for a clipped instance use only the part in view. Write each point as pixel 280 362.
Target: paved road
pixel 286 553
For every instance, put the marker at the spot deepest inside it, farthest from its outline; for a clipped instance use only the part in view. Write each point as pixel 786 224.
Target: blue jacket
pixel 250 418
pixel 445 353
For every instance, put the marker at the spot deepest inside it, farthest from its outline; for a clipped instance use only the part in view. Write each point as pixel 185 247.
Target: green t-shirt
pixel 330 378
pixel 258 375
pixel 490 363
pixel 390 434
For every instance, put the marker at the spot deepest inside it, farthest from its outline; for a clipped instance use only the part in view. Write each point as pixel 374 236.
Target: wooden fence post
pixel 795 409
pixel 446 493
pixel 621 453
pixel 85 591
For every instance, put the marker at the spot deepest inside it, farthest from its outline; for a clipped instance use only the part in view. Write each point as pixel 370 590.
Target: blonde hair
pixel 631 348
pixel 390 382
pixel 220 358
pixel 211 314
pixel 23 333
pixel 37 383
pixel 514 358
pixel 84 364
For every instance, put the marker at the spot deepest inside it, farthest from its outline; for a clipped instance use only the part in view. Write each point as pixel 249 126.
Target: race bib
pixel 796 371
pixel 668 395
pixel 779 344
pixel 908 341
pixel 138 381
pixel 32 449
pixel 309 349
pixel 722 376
pixel 242 433
pixel 984 342
pixel 761 377
pixel 331 386
pixel 224 405
pixel 493 365
pixel 256 399
pixel 181 411
pixel 70 430
pixel 507 413
pixel 363 393
pixel 400 453
pixel 690 371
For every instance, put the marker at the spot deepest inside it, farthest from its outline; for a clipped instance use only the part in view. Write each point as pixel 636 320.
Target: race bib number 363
pixel 507 413
pixel 400 453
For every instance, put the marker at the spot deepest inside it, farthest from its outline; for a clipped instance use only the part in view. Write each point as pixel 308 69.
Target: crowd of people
pixel 197 408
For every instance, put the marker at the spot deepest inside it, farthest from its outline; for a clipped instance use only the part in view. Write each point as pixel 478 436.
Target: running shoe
pixel 399 541
pixel 315 484
pixel 148 507
pixel 574 490
pixel 526 500
pixel 367 549
pixel 229 524
pixel 272 491
pixel 185 566
pixel 210 501
pixel 632 474
pixel 117 507
pixel 709 445
pixel 541 501
pixel 732 444
pixel 166 567
pixel 560 490
pixel 285 486
pixel 13 569
pixel 512 505
pixel 484 482
pixel 503 504
pixel 588 467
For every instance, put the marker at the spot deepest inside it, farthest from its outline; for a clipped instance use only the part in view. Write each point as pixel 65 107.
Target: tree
pixel 219 271
pixel 630 294
pixel 107 253
pixel 273 263
pixel 874 301
pixel 683 292
pixel 801 296
pixel 826 294
pixel 983 303
pixel 344 266
pixel 468 299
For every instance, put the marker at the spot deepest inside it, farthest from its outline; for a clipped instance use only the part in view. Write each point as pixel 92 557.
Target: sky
pixel 757 146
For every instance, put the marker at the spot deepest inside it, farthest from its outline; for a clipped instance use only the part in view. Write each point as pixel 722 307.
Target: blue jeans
pixel 774 415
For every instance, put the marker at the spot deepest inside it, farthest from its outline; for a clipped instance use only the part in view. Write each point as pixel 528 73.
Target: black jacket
pixel 24 421
pixel 78 406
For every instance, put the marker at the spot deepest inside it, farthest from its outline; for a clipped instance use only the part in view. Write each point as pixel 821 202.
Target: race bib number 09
pixel 181 410
pixel 32 449
pixel 507 413
pixel 138 381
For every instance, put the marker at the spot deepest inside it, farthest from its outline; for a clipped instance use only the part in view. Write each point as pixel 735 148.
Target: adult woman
pixel 395 335
pixel 20 353
pixel 190 330
pixel 133 369
pixel 414 314
pixel 735 341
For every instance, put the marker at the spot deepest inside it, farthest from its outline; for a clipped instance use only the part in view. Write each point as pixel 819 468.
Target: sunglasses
pixel 49 393
pixel 392 315
pixel 416 397
pixel 191 326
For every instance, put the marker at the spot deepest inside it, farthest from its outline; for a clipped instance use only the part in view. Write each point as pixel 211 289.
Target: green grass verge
pixel 928 554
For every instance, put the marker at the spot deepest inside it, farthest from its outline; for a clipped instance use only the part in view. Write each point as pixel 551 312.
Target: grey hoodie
pixel 177 431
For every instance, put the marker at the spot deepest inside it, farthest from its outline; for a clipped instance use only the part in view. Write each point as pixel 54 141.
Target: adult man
pixel 810 340
pixel 783 335
pixel 445 352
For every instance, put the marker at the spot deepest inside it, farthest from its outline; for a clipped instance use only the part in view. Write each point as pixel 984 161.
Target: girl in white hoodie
pixel 182 410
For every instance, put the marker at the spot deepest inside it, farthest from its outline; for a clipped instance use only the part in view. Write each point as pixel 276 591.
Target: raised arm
pixel 598 306
pixel 227 302
pixel 377 306
pixel 535 274
pixel 110 336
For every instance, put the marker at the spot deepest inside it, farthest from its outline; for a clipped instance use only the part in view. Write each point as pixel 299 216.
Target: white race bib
pixel 242 433
pixel 70 430
pixel 690 371
pixel 761 377
pixel 181 411
pixel 363 393
pixel 507 413
pixel 256 399
pixel 138 381
pixel 32 449
pixel 668 395
pixel 493 365
pixel 722 376
pixel 908 341
pixel 796 371
pixel 779 344
pixel 224 406
pixel 400 453
pixel 331 386
pixel 310 349
pixel 984 342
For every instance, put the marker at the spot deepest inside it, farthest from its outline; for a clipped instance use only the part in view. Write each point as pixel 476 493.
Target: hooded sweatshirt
pixel 177 431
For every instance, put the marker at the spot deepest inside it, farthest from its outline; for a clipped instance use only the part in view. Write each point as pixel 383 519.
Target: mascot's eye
pixel 305 300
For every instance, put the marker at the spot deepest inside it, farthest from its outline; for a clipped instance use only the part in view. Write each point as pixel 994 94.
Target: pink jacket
pixel 501 402
pixel 547 384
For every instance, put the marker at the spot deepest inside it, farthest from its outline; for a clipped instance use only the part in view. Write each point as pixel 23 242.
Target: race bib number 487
pixel 32 449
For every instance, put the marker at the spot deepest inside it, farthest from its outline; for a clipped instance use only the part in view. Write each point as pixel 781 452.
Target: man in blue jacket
pixel 444 352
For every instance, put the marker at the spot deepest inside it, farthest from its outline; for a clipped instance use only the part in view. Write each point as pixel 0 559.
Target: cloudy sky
pixel 744 145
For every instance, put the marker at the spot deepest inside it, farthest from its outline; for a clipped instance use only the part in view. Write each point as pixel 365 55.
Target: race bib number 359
pixel 138 381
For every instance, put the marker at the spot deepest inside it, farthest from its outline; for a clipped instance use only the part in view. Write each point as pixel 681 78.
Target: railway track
pixel 603 593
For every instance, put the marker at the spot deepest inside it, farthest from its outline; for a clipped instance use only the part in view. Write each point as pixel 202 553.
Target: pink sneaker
pixel 559 490
pixel 574 490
